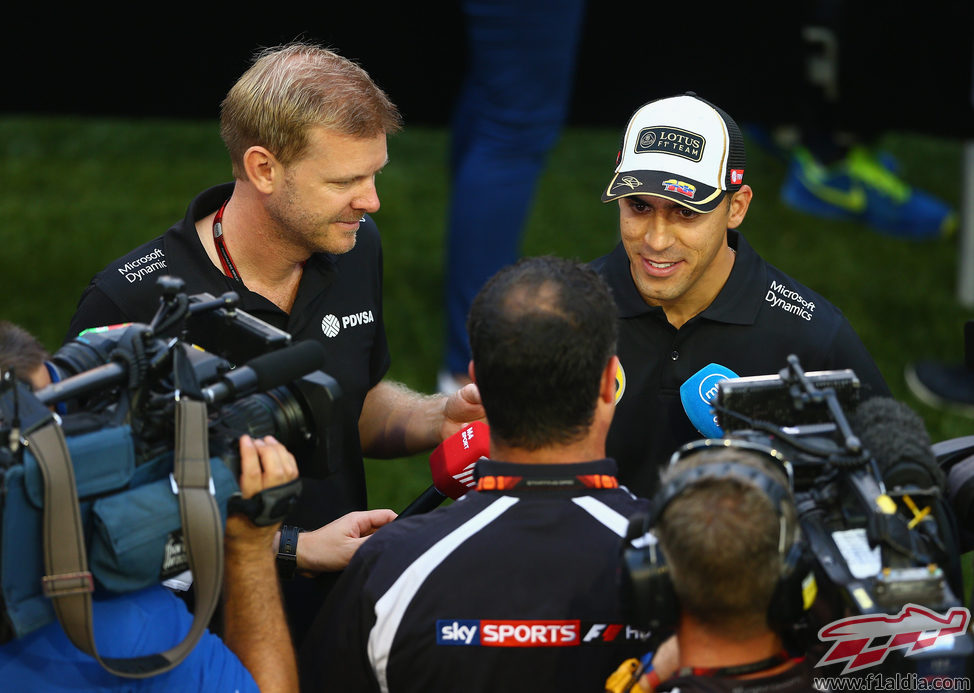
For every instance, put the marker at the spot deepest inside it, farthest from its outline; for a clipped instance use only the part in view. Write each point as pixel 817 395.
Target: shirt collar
pixel 741 297
pixel 192 254
pixel 489 467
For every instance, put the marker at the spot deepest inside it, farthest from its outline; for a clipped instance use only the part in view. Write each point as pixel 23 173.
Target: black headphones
pixel 647 593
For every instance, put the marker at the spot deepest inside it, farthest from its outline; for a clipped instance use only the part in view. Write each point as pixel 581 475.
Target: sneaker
pixel 865 188
pixel 949 387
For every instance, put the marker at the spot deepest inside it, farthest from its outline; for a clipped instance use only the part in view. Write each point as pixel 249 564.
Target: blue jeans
pixel 510 110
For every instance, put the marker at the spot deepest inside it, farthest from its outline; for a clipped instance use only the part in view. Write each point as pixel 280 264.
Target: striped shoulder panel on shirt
pixel 391 607
pixel 613 519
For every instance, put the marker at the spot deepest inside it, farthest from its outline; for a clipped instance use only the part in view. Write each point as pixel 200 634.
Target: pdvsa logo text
pixel 331 325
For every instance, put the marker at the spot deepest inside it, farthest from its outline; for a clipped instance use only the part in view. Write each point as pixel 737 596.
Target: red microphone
pixel 451 465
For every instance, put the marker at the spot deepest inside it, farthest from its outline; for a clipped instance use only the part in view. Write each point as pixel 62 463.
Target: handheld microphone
pixel 451 464
pixel 268 371
pixel 698 392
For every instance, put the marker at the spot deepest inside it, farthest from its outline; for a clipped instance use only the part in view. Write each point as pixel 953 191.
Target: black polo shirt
pixel 339 303
pixel 758 319
pixel 504 590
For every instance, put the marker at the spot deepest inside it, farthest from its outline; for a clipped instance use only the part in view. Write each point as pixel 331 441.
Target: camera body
pixel 214 337
pixel 871 502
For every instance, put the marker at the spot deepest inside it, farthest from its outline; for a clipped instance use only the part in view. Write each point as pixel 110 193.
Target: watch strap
pixel 287 551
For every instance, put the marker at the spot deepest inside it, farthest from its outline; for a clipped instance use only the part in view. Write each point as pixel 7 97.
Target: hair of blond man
pixel 721 539
pixel 292 88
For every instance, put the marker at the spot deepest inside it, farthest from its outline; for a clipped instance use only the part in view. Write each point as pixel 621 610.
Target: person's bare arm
pixel 397 421
pixel 331 547
pixel 255 627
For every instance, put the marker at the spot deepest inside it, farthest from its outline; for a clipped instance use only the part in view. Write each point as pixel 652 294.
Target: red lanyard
pixel 229 268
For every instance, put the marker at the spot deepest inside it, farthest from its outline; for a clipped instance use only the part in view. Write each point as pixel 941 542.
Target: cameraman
pixel 725 543
pixel 256 652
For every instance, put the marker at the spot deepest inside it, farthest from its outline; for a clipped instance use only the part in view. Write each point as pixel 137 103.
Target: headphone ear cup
pixel 795 590
pixel 646 590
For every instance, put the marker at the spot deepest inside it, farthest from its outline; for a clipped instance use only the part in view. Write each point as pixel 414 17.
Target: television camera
pixel 254 378
pixel 871 500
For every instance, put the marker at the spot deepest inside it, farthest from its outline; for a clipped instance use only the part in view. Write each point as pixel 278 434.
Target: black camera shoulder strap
pixel 67 580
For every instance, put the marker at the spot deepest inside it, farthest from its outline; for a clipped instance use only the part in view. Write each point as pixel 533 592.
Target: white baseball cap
pixel 681 148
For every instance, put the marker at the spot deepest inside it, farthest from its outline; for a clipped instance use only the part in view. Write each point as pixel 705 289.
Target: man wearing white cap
pixel 691 292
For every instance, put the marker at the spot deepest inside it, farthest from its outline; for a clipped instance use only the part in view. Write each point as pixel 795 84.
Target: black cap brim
pixel 684 191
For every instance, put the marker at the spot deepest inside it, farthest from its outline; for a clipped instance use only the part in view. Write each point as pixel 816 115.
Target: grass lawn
pixel 77 193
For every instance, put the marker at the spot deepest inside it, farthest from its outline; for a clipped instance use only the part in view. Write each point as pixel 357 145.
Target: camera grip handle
pixel 267 507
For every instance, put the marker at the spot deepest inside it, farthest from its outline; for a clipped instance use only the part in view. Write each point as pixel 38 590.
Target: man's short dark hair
pixel 541 333
pixel 721 539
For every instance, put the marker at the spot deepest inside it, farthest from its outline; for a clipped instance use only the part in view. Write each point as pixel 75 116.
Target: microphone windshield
pixel 452 462
pixel 897 438
pixel 284 365
pixel 698 392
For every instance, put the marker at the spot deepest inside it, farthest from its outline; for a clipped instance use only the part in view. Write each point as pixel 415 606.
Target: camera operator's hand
pixel 264 463
pixel 331 547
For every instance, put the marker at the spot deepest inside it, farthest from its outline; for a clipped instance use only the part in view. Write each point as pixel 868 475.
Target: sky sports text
pixel 532 633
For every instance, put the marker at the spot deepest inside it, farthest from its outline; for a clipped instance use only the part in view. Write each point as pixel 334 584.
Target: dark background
pixel 901 68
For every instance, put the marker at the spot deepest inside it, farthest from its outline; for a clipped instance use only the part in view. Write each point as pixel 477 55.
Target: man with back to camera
pixel 512 587
pixel 255 651
pixel 292 235
pixel 726 522
pixel 690 291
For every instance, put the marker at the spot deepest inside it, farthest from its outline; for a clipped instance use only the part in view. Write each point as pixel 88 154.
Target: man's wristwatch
pixel 287 551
